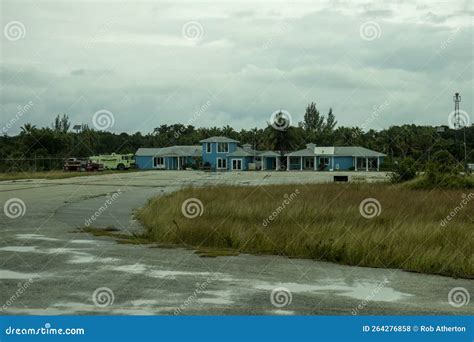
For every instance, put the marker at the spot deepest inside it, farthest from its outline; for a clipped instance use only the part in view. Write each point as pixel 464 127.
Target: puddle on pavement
pixel 281 312
pixel 174 274
pixel 359 290
pixel 19 249
pixel 91 242
pixel 87 259
pixel 216 301
pixel 144 302
pixel 218 297
pixel 6 274
pixel 150 272
pixel 133 269
pixel 77 257
pixel 35 237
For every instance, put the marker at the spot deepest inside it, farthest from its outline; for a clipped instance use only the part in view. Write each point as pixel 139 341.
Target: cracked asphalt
pixel 60 271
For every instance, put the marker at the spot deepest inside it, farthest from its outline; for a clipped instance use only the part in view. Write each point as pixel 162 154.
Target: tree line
pixel 398 142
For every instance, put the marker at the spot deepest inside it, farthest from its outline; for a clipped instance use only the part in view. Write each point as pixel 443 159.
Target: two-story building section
pixel 216 151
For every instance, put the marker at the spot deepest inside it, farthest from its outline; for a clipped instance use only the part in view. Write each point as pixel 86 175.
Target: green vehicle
pixel 115 161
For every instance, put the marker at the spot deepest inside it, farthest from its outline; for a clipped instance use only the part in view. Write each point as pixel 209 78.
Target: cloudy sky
pixel 234 62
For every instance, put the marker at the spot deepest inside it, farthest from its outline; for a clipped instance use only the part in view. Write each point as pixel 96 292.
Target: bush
pixel 443 171
pixel 403 171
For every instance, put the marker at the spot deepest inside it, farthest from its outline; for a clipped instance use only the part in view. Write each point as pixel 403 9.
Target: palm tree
pixel 28 128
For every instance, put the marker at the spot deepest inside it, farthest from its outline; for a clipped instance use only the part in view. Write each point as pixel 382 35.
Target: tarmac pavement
pixel 60 271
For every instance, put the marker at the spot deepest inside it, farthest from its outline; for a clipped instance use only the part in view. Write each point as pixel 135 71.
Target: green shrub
pixel 443 171
pixel 403 171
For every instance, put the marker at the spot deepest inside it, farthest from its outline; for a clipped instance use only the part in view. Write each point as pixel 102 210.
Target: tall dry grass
pixel 323 222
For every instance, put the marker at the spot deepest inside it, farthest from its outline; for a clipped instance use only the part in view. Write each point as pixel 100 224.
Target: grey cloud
pixel 248 64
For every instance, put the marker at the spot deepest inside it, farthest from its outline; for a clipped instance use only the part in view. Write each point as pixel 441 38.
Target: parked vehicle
pixel 75 164
pixel 114 161
pixel 91 166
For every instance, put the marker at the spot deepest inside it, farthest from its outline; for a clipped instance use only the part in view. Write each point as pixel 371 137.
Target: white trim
pixel 232 164
pixel 159 165
pixel 217 164
pixel 225 151
pixel 210 149
pixel 328 158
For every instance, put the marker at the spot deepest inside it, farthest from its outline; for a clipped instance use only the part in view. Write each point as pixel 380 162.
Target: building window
pixel 222 147
pixel 208 148
pixel 361 163
pixel 221 163
pixel 158 162
pixel 236 164
pixel 324 161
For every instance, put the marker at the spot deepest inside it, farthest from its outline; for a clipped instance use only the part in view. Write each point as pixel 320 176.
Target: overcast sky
pixel 234 63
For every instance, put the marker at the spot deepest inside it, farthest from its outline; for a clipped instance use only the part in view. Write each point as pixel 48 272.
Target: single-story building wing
pixel 334 158
pixel 168 158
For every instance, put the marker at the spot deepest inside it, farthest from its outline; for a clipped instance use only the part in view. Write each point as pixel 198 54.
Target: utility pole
pixel 458 124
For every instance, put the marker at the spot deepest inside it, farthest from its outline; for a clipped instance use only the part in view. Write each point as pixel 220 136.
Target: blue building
pixel 168 158
pixel 224 154
pixel 216 152
pixel 334 158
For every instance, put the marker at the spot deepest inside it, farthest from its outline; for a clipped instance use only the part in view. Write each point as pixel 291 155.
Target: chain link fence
pixel 31 164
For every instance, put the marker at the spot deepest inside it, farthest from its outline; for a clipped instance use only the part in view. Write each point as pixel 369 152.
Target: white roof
pixel 171 151
pixel 324 150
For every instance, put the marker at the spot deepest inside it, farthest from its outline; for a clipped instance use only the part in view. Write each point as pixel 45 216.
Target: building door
pixel 221 163
pixel 236 164
pixel 309 163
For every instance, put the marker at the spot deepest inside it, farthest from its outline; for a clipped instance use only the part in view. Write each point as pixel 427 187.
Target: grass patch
pixel 323 222
pixel 56 174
